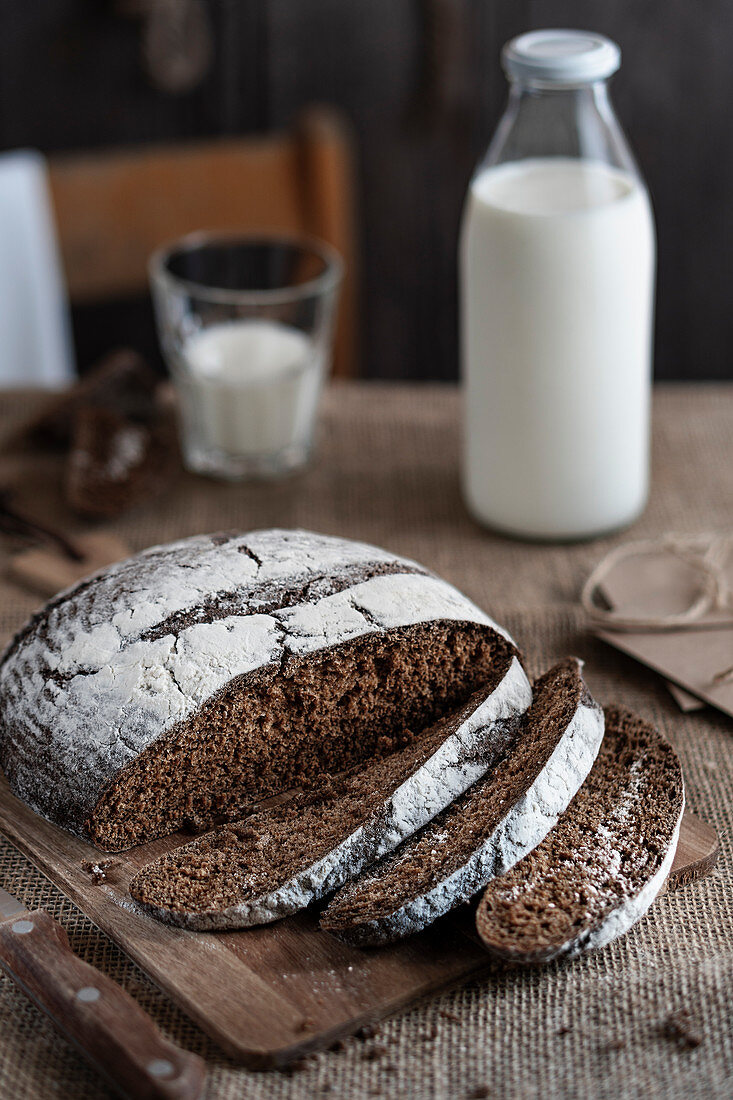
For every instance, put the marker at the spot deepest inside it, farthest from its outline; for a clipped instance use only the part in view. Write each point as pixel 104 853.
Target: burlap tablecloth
pixel 387 472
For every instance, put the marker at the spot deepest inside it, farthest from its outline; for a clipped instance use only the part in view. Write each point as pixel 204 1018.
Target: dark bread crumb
pixel 611 841
pixel 679 1027
pixel 447 843
pixel 368 1031
pixel 115 463
pixel 374 1053
pixel 121 382
pixel 287 728
pixel 297 1066
pixel 247 859
pixel 97 869
pixel 479 1093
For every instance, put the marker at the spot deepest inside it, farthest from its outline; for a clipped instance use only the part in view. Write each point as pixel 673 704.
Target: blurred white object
pixel 557 303
pixel 36 348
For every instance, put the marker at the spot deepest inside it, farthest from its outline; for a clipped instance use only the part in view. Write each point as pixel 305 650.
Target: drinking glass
pixel 246 327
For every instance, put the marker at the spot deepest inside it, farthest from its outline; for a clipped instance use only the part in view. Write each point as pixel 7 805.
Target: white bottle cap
pixel 561 57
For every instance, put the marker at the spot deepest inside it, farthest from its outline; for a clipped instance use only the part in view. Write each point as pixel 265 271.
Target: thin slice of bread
pixel 488 829
pixel 280 860
pixel 598 871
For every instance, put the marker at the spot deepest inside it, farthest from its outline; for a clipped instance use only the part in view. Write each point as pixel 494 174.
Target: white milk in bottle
pixel 557 283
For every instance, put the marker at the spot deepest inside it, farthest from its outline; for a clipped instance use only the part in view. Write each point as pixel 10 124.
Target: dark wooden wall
pixel 424 91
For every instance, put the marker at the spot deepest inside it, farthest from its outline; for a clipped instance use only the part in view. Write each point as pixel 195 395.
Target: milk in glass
pixel 246 326
pixel 254 385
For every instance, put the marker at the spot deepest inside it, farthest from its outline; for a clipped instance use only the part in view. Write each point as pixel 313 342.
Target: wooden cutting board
pixel 269 995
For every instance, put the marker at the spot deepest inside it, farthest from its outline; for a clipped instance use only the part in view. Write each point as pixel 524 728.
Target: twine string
pixel 707 554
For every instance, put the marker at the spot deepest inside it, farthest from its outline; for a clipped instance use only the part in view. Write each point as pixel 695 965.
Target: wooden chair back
pixel 114 208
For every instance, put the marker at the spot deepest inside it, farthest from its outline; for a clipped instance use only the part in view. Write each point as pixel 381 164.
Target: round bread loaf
pixel 185 685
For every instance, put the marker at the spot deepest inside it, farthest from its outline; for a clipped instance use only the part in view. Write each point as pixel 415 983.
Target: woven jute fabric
pixel 387 471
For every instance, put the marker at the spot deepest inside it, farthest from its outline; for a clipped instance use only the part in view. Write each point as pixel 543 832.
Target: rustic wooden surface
pixel 95 1014
pixel 697 852
pixel 267 995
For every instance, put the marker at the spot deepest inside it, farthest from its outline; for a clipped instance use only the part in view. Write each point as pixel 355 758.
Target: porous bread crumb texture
pixel 450 841
pixel 255 857
pixel 131 655
pixel 288 726
pixel 613 842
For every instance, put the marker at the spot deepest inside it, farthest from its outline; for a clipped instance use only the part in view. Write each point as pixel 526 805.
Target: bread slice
pixel 115 462
pixel 197 680
pixel 121 382
pixel 278 861
pixel 600 868
pixel 485 831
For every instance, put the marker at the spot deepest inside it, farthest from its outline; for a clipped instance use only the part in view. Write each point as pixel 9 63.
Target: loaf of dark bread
pixel 195 680
pixel 114 463
pixel 485 831
pixel 121 383
pixel 281 860
pixel 601 867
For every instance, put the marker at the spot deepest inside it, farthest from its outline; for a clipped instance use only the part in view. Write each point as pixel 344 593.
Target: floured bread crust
pixel 126 658
pixel 601 867
pixel 236 878
pixel 487 830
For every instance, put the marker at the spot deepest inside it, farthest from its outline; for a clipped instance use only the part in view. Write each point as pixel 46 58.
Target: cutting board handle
pixel 95 1013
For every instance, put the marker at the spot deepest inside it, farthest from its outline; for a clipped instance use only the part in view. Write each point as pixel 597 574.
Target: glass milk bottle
pixel 557 264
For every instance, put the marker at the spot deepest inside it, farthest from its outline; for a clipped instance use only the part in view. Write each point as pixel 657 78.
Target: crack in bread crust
pixel 126 658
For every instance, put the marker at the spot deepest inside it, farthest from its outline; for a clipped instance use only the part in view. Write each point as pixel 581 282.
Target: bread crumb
pixel 297 1066
pixel 97 869
pixel 368 1031
pixel 679 1027
pixel 374 1053
pixel 480 1093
